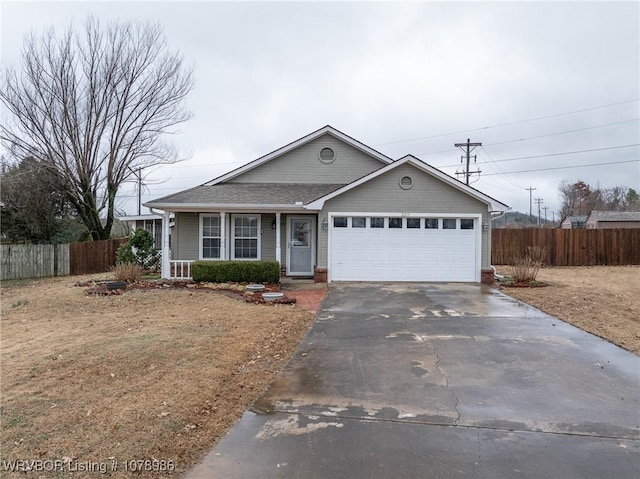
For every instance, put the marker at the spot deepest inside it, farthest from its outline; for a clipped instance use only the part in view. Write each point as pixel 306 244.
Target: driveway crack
pixel 446 385
pixel 479 457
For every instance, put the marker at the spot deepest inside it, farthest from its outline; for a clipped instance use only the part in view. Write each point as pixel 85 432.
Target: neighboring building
pixel 613 219
pixel 574 222
pixel 149 222
pixel 329 207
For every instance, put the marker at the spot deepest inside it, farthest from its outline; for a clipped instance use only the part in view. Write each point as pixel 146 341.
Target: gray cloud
pixel 269 73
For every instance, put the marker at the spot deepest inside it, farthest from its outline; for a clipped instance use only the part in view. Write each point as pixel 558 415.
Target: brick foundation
pixel 486 276
pixel 319 275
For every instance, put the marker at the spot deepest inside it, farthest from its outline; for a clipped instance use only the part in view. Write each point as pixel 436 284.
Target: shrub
pixel 239 271
pixel 525 268
pixel 129 272
pixel 139 249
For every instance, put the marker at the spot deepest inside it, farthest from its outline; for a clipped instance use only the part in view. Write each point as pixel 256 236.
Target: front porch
pixel 290 238
pixel 181 270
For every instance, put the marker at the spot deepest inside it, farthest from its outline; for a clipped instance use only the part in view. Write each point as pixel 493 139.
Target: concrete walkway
pixel 440 381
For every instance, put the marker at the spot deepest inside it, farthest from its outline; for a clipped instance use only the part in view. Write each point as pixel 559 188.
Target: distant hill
pixel 516 219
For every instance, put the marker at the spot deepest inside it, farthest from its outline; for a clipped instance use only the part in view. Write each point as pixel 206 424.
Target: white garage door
pixel 409 248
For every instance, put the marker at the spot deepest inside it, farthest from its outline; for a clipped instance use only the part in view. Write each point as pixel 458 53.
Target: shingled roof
pixel 247 194
pixel 615 216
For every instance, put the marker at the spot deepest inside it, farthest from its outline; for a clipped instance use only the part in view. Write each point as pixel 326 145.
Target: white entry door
pixel 300 245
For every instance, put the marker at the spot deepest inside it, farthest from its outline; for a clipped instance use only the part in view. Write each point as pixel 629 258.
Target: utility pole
pixel 539 201
pixel 139 189
pixel 531 189
pixel 545 208
pixel 467 148
pixel 138 175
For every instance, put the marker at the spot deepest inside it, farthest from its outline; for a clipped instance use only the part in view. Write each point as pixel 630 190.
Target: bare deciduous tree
pixel 581 199
pixel 92 105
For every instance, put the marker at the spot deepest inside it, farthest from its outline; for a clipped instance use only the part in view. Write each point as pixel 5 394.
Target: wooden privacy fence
pixel 33 260
pixel 569 247
pixel 93 256
pixel 43 260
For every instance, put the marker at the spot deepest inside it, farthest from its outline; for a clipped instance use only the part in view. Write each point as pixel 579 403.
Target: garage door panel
pixel 403 254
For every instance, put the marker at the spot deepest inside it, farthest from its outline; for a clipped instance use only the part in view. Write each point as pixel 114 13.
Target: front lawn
pixel 149 375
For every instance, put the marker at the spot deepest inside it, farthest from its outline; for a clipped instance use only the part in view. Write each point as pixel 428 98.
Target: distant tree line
pixel 577 199
pixel 34 209
pixel 581 198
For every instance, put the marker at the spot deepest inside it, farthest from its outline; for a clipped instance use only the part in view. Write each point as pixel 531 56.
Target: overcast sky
pixel 401 77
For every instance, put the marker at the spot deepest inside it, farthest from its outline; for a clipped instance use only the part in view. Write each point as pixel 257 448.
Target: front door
pixel 300 245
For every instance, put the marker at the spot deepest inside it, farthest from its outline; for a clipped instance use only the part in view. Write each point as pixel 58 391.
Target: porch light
pixel 325 223
pixel 273 224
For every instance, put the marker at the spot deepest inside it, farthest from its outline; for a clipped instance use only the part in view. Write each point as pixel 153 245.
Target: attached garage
pixel 404 247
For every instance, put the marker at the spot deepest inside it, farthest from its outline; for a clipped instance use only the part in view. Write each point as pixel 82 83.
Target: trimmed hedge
pixel 238 271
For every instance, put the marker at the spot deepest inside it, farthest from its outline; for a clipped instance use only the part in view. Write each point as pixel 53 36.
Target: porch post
pixel 166 252
pixel 278 246
pixel 223 235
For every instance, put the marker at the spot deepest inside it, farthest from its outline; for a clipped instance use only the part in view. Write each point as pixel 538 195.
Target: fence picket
pixel 569 247
pixel 43 260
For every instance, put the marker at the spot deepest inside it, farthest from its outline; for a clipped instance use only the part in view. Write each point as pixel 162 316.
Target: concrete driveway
pixel 440 381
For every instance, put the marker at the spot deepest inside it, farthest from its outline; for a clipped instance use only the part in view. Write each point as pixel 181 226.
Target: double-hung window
pixel 210 236
pixel 245 243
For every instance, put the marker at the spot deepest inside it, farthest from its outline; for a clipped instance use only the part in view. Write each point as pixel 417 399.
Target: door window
pixel 300 230
pixel 340 222
pixel 395 222
pixel 377 222
pixel 448 224
pixel 358 222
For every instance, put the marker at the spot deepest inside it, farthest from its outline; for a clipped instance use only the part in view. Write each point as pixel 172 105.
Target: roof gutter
pixel 197 207
pixel 498 214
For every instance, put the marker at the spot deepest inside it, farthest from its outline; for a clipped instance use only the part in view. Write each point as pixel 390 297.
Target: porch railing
pixel 180 269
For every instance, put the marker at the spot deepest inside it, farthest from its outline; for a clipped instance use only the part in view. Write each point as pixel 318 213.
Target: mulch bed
pixel 234 290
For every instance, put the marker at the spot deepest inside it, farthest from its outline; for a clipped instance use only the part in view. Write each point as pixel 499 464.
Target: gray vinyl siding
pixel 185 241
pixel 383 194
pixel 303 166
pixel 268 242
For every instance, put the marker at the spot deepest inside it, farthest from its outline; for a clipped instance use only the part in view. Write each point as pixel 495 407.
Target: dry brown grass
pixel 600 299
pixel 149 374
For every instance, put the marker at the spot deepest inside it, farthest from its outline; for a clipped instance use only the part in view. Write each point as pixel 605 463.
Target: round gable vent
pixel 327 155
pixel 406 182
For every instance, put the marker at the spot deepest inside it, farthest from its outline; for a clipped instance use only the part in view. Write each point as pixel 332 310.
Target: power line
pixel 566 167
pixel 564 132
pixel 539 136
pixel 556 154
pixel 491 161
pixel 491 164
pixel 568 152
pixel 487 174
pixel 509 123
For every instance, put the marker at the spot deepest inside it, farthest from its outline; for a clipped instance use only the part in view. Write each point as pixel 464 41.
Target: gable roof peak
pixel 327 129
pixel 494 204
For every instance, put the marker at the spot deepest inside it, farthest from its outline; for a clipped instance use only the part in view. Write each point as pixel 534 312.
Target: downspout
pixel 494 216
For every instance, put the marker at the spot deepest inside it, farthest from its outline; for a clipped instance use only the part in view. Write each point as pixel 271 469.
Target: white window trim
pixel 201 238
pixel 232 235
